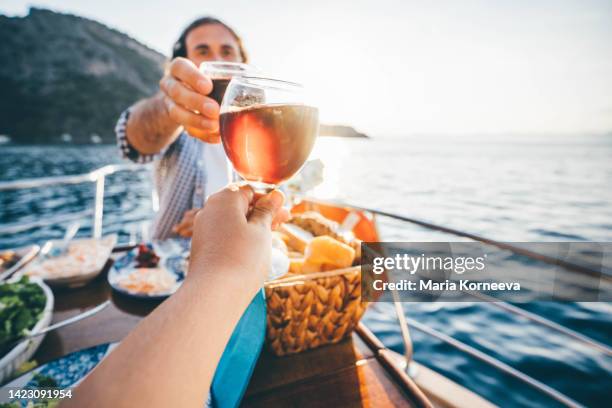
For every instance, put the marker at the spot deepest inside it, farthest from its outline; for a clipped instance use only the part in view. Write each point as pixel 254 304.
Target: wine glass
pixel 268 129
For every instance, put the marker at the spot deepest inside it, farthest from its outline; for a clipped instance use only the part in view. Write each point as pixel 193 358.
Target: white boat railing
pixel 99 176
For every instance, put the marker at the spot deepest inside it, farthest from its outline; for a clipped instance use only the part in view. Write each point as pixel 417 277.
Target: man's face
pixel 212 42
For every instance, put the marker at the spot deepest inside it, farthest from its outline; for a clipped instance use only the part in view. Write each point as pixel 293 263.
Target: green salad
pixel 21 306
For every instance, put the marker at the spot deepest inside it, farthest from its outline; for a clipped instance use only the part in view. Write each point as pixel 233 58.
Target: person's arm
pixel 171 356
pixel 155 122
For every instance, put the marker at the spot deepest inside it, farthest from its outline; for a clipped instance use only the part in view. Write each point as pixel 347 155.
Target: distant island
pixel 71 87
pixel 340 131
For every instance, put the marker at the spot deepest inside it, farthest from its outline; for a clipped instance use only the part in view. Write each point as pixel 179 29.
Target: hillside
pixel 66 74
pixel 340 131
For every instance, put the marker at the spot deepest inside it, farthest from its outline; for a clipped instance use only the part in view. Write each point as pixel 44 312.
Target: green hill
pixel 66 74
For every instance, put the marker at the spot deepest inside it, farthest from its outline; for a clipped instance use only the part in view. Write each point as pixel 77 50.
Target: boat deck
pixel 347 374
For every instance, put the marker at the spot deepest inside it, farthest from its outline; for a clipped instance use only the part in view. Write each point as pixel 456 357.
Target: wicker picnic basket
pixel 306 311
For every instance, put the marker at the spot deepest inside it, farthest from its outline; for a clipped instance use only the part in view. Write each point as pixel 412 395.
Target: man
pixel 189 165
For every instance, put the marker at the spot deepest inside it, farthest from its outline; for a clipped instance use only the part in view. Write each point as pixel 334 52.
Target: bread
pixel 296 265
pixel 318 225
pixel 296 238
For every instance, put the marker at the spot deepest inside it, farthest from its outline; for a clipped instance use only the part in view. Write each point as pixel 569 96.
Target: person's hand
pixel 185 227
pixel 232 235
pixel 184 90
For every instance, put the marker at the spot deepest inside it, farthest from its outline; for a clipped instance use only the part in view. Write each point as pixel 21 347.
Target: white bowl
pixel 24 351
pixel 26 255
pixel 83 275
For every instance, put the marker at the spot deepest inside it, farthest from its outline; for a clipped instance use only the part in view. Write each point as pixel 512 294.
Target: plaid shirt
pixel 180 176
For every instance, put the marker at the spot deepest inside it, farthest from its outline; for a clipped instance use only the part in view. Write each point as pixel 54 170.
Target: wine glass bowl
pixel 268 129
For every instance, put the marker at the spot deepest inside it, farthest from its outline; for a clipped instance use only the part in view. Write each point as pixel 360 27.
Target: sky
pixel 405 67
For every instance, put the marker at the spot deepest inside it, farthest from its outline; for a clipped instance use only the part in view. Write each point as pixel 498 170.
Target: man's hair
pixel 180 46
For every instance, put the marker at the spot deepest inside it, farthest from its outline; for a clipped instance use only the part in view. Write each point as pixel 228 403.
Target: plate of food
pixel 12 260
pixel 63 373
pixel 81 262
pixel 26 306
pixel 152 270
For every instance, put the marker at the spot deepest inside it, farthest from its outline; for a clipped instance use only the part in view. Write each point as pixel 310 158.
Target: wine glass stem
pixel 261 188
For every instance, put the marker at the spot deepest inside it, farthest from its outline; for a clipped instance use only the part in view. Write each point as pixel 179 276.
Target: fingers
pixel 183 228
pixel 239 203
pixel 236 197
pixel 282 215
pixel 246 195
pixel 266 208
pixel 207 136
pixel 189 214
pixel 189 99
pixel 184 88
pixel 187 118
pixel 186 71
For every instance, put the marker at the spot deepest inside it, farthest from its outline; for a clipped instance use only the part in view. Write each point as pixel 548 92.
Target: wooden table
pixel 349 374
pixel 110 325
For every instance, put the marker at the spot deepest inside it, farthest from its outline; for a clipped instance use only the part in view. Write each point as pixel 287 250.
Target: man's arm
pixel 156 122
pixel 149 128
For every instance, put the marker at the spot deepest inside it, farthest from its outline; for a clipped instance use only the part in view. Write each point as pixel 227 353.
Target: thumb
pixel 265 208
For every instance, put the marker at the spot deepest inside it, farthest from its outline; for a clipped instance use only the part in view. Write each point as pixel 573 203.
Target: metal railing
pixel 99 176
pixel 501 366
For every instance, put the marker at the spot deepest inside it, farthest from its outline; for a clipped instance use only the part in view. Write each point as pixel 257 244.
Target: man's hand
pixel 185 227
pixel 184 90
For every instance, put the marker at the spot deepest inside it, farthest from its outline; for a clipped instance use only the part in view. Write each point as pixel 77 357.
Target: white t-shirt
pixel 217 167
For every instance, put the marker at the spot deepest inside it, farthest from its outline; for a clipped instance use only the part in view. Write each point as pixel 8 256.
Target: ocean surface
pixel 526 188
